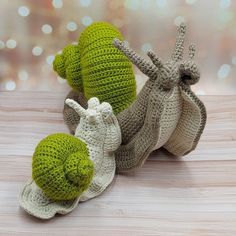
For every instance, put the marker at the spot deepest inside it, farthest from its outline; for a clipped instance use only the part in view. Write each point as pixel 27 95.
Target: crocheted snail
pixel 68 169
pixel 96 68
pixel 166 112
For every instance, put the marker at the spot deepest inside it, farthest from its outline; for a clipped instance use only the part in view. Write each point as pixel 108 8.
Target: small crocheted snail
pixel 166 112
pixel 67 169
pixel 96 68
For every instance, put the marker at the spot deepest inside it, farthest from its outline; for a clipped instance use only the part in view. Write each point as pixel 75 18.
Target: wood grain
pixel 194 195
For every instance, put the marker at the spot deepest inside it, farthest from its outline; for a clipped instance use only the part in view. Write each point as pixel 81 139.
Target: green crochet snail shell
pixel 98 69
pixel 61 166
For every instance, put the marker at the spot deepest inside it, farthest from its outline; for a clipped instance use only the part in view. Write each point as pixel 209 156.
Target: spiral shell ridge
pixel 61 166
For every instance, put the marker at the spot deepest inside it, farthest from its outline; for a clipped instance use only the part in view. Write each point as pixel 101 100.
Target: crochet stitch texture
pixel 97 69
pixel 61 166
pixel 98 134
pixel 166 112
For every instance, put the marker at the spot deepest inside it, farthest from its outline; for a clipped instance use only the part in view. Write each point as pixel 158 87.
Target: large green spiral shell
pixel 61 166
pixel 98 69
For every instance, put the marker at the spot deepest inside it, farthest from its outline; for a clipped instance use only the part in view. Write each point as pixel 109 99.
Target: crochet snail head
pixel 172 72
pixel 174 117
pixel 95 112
pixel 96 122
pixel 97 69
pixel 61 166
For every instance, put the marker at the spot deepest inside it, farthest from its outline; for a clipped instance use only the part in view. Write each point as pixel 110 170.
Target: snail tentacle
pixel 155 59
pixel 76 106
pixel 145 66
pixel 179 45
pixel 192 51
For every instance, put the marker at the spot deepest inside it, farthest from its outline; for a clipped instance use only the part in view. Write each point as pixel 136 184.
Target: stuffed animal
pixel 67 169
pixel 166 112
pixel 96 68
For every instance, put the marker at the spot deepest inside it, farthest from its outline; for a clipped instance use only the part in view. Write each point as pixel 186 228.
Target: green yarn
pixel 61 166
pixel 98 69
pixel 67 66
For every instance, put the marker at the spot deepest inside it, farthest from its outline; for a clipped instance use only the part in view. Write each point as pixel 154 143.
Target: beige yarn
pixel 99 129
pixel 166 112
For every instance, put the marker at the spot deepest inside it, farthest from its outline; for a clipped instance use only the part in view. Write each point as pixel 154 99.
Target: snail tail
pixel 67 65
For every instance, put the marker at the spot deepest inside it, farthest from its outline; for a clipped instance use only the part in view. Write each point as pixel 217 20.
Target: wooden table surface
pixel 194 195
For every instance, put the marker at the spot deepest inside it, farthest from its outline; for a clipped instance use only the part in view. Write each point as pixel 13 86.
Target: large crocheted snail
pixel 166 112
pixel 67 169
pixel 96 68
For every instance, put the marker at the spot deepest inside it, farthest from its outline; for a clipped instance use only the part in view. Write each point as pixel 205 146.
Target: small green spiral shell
pixel 67 65
pixel 98 69
pixel 61 166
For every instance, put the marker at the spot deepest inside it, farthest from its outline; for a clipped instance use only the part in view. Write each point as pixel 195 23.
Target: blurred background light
pixel 132 4
pixel 50 59
pixel 178 20
pixel 145 4
pixel 11 43
pixel 37 51
pixel 87 20
pixel 2 44
pixel 33 32
pixel 85 3
pixel 200 92
pixel 10 85
pixel 161 3
pixel 146 47
pixel 224 71
pixel 47 29
pixel 23 11
pixel 23 75
pixel 190 2
pixel 234 60
pixel 57 3
pixel 225 3
pixel 71 26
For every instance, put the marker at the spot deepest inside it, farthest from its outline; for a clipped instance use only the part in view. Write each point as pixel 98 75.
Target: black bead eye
pixel 185 78
pixel 189 73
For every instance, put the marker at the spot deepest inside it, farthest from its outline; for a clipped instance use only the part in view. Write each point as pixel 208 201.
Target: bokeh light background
pixel 32 32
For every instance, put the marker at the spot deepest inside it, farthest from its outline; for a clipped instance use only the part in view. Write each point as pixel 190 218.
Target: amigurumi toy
pixel 166 112
pixel 67 169
pixel 96 68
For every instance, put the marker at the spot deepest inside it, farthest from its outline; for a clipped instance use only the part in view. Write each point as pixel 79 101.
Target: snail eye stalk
pixel 155 59
pixel 179 45
pixel 79 109
pixel 145 66
pixel 192 51
pixel 93 103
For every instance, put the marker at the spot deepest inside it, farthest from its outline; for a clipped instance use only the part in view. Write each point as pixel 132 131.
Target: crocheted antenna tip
pixel 62 167
pixel 182 28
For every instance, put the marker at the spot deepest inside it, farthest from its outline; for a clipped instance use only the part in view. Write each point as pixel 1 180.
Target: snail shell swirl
pixel 62 167
pixel 98 69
